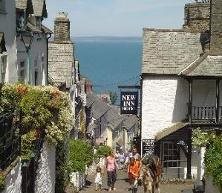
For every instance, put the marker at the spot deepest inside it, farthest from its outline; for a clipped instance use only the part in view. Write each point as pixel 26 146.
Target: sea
pixel 109 62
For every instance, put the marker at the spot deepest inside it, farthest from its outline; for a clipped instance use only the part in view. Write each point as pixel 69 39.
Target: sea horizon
pixel 106 38
pixel 109 61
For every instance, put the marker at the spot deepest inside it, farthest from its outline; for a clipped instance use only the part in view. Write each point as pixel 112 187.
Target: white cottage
pixel 181 86
pixel 32 41
pixel 8 57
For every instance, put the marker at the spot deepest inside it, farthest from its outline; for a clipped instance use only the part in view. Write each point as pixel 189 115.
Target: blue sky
pixel 117 17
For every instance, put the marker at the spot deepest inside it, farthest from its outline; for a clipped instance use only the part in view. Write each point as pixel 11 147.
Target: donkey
pixel 151 174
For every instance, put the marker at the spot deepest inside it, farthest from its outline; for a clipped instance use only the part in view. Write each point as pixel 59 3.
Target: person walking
pixel 111 167
pixel 134 173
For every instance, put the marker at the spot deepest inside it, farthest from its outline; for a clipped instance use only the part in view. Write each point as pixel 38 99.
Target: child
pixel 98 178
pixel 134 173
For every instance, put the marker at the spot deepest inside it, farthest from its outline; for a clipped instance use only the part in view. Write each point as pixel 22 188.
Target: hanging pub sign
pixel 129 103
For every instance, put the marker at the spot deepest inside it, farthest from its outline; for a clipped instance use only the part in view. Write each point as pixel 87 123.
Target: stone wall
pixel 61 61
pixel 62 28
pixel 14 180
pixel 216 28
pixel 197 17
pixel 45 179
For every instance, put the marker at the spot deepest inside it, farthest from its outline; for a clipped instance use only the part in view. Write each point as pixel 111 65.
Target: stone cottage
pixel 181 86
pixel 64 71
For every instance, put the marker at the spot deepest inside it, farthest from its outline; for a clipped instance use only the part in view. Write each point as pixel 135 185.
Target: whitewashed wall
pixel 45 179
pixel 7 18
pixel 38 57
pixel 164 102
pixel 14 180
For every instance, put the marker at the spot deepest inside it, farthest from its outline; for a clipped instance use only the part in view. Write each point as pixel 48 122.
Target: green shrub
pixel 213 155
pixel 103 150
pixel 80 155
pixel 2 181
pixel 213 161
pixel 62 166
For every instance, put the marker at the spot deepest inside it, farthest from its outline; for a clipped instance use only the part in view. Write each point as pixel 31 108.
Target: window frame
pixel 171 154
pixel 22 68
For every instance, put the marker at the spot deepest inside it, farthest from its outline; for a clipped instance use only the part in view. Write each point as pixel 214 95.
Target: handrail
pixel 203 112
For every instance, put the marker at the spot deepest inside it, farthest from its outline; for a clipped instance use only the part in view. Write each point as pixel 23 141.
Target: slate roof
pixel 169 130
pixel 98 107
pixel 2 43
pixel 167 51
pixel 113 118
pixel 21 4
pixel 111 113
pixel 39 7
pixel 130 121
pixel 90 99
pixel 46 30
pixel 206 65
pixel 24 5
pixel 33 28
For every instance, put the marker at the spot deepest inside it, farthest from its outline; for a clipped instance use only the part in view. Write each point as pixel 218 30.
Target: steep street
pixel 122 186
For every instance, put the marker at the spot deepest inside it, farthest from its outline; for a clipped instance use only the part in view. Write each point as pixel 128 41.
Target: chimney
pixel 197 17
pixel 62 28
pixel 216 28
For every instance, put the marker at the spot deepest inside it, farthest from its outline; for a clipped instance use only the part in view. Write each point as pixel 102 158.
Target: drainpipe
pixel 47 57
pixel 140 116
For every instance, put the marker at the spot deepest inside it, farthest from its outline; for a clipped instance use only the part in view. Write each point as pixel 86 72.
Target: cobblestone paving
pixel 122 186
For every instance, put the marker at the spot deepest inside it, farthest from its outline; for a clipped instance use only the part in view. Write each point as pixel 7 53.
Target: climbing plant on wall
pixel 45 112
pixel 213 156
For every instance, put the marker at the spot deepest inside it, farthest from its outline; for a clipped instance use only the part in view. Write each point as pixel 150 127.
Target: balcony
pixel 206 114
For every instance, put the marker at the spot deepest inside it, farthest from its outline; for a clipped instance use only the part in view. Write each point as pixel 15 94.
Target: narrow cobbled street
pixel 122 186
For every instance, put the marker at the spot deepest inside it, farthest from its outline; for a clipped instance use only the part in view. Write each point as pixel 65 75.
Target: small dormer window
pixel 20 21
pixel 2 6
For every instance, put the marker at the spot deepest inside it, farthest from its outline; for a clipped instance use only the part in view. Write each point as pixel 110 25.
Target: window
pixel 36 77
pixel 3 64
pixel 20 21
pixel 171 154
pixel 21 72
pixel 2 6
